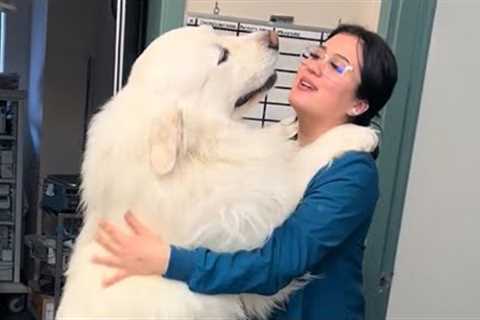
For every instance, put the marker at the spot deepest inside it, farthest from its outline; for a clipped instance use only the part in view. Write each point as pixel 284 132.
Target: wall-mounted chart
pixel 293 39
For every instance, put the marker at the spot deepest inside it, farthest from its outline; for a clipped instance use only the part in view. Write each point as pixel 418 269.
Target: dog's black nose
pixel 273 40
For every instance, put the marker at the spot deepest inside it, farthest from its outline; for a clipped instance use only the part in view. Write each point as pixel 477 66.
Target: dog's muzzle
pixel 266 86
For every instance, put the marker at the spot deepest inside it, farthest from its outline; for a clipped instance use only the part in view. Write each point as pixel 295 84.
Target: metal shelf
pixel 65 215
pixel 13 287
pixel 13 138
pixel 56 242
pixel 12 94
pixel 45 241
pixel 8 6
pixel 7 137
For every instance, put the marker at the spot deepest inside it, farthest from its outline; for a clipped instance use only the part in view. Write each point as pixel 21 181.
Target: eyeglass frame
pixel 307 54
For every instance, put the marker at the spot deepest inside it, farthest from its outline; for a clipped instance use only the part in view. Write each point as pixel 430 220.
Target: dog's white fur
pixel 168 148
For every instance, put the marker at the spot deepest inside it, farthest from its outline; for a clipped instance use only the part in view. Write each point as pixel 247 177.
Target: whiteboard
pixel 274 106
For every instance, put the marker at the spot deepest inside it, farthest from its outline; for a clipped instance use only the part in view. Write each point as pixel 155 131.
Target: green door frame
pixel 164 15
pixel 407 27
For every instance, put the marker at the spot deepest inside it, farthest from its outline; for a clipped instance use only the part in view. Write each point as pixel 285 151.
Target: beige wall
pixel 317 13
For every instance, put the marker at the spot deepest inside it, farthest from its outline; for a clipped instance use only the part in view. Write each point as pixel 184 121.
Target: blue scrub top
pixel 324 236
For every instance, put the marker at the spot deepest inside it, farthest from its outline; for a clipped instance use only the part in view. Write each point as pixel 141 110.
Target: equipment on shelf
pixel 61 193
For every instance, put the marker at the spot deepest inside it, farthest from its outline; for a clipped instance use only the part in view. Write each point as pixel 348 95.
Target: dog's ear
pixel 166 141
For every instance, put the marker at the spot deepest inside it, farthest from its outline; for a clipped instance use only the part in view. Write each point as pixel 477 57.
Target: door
pixel 407 26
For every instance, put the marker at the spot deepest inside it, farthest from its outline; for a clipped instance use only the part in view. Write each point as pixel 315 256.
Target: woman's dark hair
pixel 378 71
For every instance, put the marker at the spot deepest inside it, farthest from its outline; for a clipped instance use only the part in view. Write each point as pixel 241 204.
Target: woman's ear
pixel 361 106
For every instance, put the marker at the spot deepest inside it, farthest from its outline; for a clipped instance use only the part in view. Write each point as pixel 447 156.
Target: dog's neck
pixel 204 132
pixel 208 130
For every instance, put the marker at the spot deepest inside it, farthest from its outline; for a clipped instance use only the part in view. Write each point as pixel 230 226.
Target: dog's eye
pixel 223 56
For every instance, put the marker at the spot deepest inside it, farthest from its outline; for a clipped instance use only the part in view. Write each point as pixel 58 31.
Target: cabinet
pixel 12 104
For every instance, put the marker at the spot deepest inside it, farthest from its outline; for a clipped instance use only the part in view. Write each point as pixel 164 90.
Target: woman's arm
pixel 337 201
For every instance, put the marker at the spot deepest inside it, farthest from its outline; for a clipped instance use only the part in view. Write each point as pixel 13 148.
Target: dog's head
pixel 196 71
pixel 198 66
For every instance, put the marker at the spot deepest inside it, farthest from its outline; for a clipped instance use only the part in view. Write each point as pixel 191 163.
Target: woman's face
pixel 319 93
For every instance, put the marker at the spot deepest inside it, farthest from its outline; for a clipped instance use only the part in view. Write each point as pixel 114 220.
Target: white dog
pixel 168 148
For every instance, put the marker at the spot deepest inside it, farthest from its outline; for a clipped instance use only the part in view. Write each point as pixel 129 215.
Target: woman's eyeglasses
pixel 336 65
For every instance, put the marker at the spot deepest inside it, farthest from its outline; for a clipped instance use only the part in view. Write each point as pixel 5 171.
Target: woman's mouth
pixel 305 85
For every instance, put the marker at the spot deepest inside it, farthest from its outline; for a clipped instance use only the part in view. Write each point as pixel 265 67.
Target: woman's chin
pixel 300 101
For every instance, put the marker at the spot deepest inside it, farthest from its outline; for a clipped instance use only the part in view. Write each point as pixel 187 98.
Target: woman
pixel 348 79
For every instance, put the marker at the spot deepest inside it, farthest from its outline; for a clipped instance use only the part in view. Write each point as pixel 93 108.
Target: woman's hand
pixel 138 253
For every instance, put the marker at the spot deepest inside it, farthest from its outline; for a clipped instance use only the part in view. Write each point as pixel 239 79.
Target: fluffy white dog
pixel 168 148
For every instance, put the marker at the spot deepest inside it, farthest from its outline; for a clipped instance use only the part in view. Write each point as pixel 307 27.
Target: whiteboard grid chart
pixel 273 106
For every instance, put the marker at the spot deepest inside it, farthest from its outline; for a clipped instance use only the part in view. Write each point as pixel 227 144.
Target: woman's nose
pixel 314 67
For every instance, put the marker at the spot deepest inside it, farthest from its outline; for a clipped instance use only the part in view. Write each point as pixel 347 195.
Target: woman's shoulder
pixel 354 166
pixel 351 180
pixel 354 158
